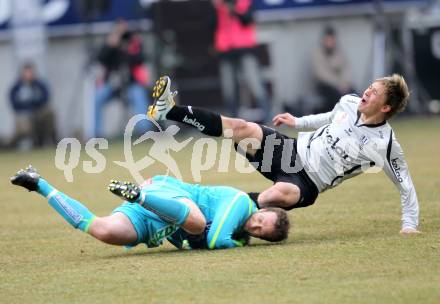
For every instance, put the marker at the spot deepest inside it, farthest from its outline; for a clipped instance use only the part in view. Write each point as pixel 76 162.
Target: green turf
pixel 344 249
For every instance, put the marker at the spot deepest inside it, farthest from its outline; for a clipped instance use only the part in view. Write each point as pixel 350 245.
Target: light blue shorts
pixel 145 222
pixel 149 226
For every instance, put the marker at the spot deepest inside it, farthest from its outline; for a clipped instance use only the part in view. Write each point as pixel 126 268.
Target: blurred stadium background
pixel 344 249
pixel 63 37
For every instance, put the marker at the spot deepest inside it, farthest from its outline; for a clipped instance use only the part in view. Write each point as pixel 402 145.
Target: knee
pixel 201 225
pixel 196 224
pixel 239 127
pixel 289 195
pixel 283 196
pixel 103 231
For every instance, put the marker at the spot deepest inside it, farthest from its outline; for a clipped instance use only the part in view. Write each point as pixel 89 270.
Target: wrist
pixel 409 226
pixel 298 123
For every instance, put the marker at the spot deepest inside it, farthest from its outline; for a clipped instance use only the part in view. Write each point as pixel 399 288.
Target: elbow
pixel 195 224
pixel 211 243
pixel 216 244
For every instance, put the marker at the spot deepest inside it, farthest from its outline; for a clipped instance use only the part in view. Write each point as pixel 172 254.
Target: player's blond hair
pixel 397 93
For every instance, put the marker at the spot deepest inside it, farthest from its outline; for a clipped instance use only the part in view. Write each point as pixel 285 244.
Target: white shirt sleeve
pixel 396 169
pixel 317 120
pixel 313 121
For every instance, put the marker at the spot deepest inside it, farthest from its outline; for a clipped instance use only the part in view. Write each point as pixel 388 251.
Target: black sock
pixel 205 121
pixel 254 197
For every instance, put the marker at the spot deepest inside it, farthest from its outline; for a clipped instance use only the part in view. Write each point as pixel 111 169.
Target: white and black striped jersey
pixel 342 147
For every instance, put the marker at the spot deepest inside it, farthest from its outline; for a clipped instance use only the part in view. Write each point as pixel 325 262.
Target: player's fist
pixel 408 231
pixel 285 118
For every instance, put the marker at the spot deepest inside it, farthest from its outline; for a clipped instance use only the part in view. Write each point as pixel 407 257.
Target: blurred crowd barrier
pixel 64 39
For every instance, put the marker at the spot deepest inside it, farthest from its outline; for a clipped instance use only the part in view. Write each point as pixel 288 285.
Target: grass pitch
pixel 344 249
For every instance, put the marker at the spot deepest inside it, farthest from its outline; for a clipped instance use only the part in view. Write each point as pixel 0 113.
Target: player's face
pixel 374 100
pixel 261 223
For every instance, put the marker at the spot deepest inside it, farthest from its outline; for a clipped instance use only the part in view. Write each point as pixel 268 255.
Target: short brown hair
pixel 397 93
pixel 282 225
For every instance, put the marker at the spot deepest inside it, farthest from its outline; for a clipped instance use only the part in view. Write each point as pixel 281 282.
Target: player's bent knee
pixel 290 195
pixel 235 124
pixel 240 127
pixel 113 230
pixel 283 195
pixel 247 133
pixel 195 223
pixel 102 231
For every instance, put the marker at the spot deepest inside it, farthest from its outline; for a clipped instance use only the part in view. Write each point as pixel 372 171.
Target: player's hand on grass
pixel 284 119
pixel 409 231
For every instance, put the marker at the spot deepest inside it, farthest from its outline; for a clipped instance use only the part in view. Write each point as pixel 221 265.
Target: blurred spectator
pixel 34 118
pixel 235 42
pixel 125 76
pixel 331 71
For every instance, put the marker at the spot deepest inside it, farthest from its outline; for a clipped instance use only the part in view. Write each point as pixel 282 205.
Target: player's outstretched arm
pixel 284 119
pixel 396 169
pixel 306 122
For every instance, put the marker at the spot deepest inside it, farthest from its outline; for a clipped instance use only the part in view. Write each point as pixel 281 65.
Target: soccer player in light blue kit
pixel 190 216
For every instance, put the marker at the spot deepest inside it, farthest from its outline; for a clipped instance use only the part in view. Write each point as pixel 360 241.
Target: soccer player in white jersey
pixel 354 137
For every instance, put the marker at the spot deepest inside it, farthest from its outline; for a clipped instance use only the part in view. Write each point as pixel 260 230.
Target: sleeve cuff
pixel 299 123
pixel 407 225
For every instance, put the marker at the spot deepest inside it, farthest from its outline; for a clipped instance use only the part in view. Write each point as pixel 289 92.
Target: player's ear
pixel 263 210
pixel 386 108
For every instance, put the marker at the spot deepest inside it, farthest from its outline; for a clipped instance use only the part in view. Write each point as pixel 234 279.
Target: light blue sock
pixel 75 213
pixel 170 210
